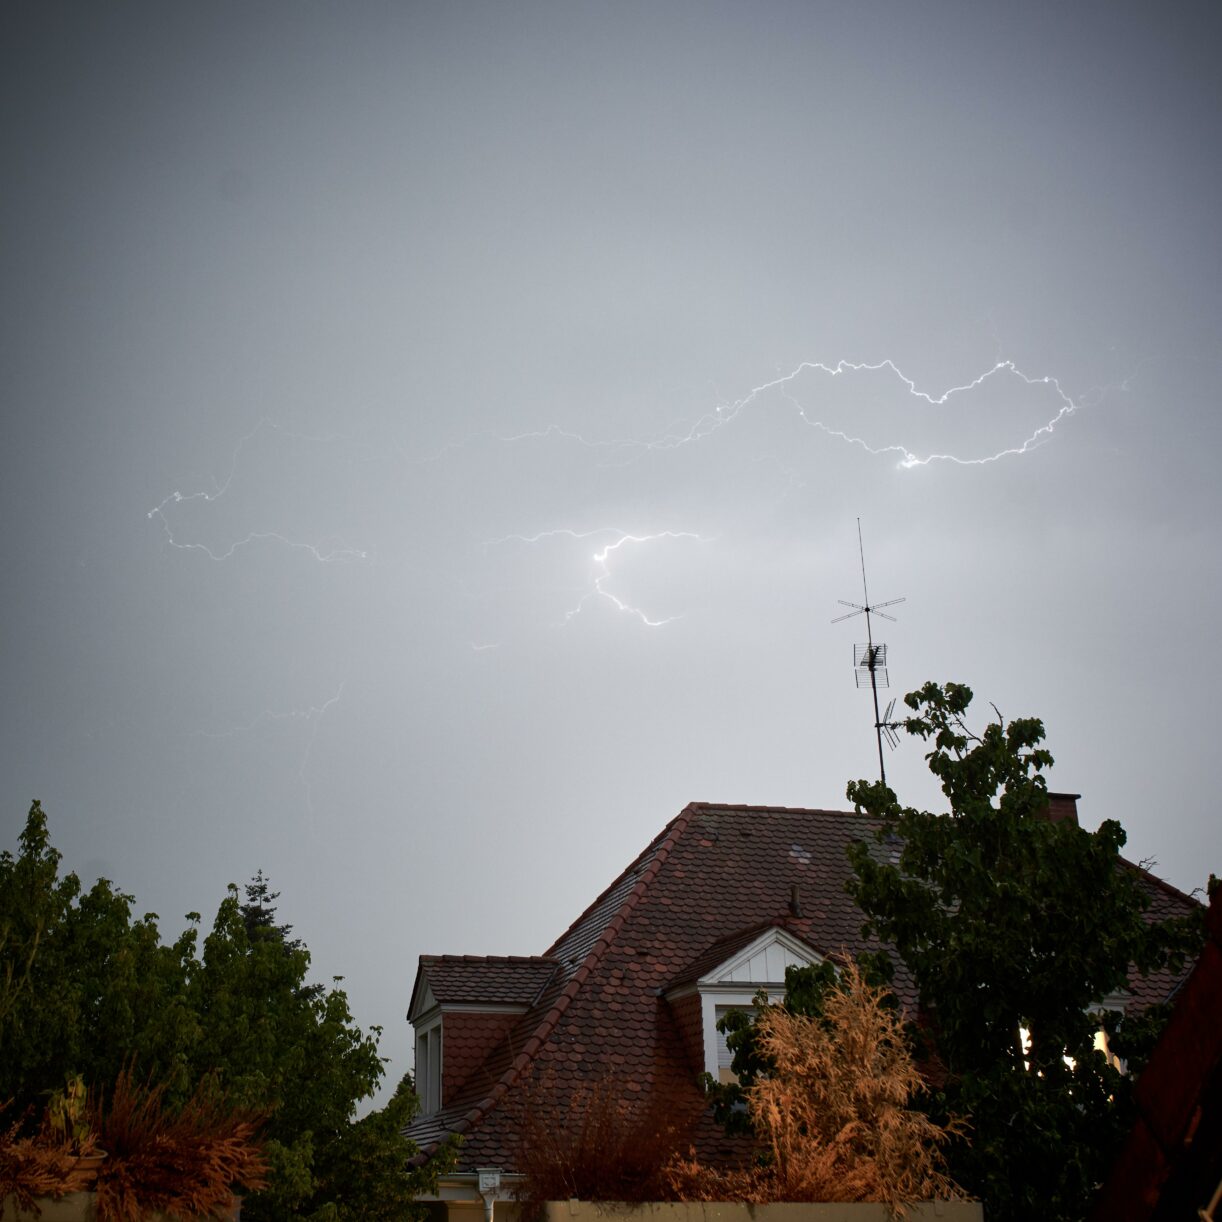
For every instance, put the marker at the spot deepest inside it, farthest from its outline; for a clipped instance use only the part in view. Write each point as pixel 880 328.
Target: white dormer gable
pixel 422 1001
pixel 447 996
pixel 425 1016
pixel 733 984
pixel 763 962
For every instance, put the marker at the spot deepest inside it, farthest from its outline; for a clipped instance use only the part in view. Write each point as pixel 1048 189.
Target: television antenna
pixel 870 659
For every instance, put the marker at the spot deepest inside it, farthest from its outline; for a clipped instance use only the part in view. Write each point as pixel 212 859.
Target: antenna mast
pixel 870 659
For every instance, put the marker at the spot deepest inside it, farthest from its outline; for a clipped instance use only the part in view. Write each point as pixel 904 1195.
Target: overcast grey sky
pixel 423 469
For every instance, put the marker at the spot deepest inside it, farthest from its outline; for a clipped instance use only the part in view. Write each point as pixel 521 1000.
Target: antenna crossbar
pixel 870 659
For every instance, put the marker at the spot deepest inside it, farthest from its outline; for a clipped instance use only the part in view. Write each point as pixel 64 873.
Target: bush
pixel 833 1111
pixel 41 1165
pixel 185 1162
pixel 593 1146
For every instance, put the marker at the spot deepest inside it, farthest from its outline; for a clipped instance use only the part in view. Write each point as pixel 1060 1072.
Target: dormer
pixel 727 977
pixel 462 1007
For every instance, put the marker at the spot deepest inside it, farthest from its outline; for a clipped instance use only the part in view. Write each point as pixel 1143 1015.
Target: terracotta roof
pixel 724 949
pixel 498 979
pixel 714 871
pixel 1172 1159
pixel 1166 902
pixel 714 876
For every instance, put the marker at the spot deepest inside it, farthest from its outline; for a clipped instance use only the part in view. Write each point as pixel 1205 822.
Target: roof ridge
pixel 1162 883
pixel 546 983
pixel 653 846
pixel 488 959
pixel 784 810
pixel 664 842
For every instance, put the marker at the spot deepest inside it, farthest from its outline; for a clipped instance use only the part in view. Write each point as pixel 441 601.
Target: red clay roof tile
pixel 712 873
pixel 497 979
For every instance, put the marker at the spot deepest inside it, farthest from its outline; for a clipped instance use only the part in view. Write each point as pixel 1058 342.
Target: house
pixel 1171 1164
pixel 721 902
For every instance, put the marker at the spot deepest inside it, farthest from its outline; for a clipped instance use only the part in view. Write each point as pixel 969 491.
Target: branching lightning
pixel 311 715
pixel 602 566
pixel 908 459
pixel 331 556
pixel 322 555
pixel 791 390
pixel 724 414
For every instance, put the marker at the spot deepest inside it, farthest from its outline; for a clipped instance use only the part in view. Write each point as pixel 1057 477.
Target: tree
pixel 292 1048
pixel 85 986
pixel 87 989
pixel 31 899
pixel 833 1108
pixel 361 1173
pixel 259 913
pixel 1015 929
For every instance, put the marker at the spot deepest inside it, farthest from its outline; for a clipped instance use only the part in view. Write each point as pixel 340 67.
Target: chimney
pixel 1063 808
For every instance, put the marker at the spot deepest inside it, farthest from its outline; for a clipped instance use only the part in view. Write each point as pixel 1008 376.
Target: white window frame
pixel 427 1021
pixel 428 1062
pixel 730 984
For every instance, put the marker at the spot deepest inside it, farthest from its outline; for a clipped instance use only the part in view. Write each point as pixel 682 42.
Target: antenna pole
pixel 861 551
pixel 878 726
pixel 871 659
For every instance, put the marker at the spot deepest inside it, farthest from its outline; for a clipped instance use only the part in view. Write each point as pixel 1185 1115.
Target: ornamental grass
pixel 592 1144
pixel 185 1162
pixel 41 1165
pixel 833 1115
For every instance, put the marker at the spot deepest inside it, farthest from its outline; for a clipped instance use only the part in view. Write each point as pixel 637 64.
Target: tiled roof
pixel 1166 902
pixel 711 873
pixel 722 950
pixel 712 879
pixel 497 979
pixel 1172 1160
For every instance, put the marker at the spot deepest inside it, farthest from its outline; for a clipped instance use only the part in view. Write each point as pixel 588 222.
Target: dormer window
pixel 428 1063
pixel 462 1007
pixel 727 977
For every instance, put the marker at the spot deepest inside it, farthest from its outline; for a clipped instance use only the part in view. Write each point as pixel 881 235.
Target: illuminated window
pixel 1113 1004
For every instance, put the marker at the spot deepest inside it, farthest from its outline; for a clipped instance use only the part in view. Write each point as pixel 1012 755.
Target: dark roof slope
pixel 496 979
pixel 1172 1160
pixel 713 875
pixel 1166 903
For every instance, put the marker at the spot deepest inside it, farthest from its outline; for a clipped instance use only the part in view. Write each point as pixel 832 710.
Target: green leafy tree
pixel 1015 929
pixel 360 1174
pixel 85 988
pixel 292 1048
pixel 33 899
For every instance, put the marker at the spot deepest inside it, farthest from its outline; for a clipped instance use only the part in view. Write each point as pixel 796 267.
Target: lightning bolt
pixel 311 714
pixel 791 391
pixel 323 556
pixel 255 536
pixel 602 566
pixel 724 414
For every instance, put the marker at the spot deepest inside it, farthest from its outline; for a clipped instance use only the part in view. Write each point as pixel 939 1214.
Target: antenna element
pixel 870 659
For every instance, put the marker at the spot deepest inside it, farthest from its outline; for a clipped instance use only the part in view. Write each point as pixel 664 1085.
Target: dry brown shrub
pixel 593 1144
pixel 41 1166
pixel 185 1163
pixel 834 1113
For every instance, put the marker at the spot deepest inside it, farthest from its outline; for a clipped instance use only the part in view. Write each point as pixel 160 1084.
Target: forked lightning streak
pixel 602 563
